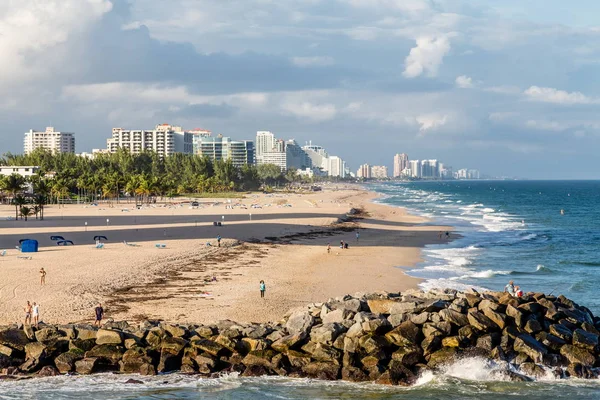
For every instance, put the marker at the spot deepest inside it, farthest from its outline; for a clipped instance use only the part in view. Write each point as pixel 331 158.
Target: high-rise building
pixel 364 171
pixel 265 142
pixel 400 164
pixel 415 168
pixel 164 139
pixel 223 148
pixel 379 172
pixel 197 135
pixel 430 169
pixel 336 167
pixel 56 142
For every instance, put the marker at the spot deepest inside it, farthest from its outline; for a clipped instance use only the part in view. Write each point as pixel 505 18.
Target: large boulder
pixel 86 332
pixel 86 366
pixel 454 317
pixel 562 332
pixel 444 356
pixel 517 315
pixel 337 316
pixel 173 345
pixel 322 370
pixel 14 338
pixel 577 355
pixel 326 333
pixel 48 334
pixel 106 336
pixel 300 321
pixel 107 354
pixel 65 362
pixel 526 344
pixel 175 330
pixel 498 318
pixel 585 340
pixel 480 322
pixel 210 347
pixel 289 342
pixel 404 334
pixel 381 306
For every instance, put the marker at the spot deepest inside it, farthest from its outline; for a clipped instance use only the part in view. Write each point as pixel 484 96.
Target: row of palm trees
pixel 142 177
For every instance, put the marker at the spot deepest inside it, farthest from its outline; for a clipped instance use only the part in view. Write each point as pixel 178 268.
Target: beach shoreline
pixel 283 243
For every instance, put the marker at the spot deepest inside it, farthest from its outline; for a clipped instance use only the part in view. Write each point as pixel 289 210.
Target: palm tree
pixel 41 190
pixel 19 201
pixel 25 212
pixel 36 210
pixel 14 185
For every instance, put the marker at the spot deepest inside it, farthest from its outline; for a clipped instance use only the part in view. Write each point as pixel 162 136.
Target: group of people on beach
pixel 513 290
pixel 32 311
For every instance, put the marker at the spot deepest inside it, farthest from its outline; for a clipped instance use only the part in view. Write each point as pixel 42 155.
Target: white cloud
pixel 412 6
pixel 427 56
pixel 552 95
pixel 544 125
pixel 311 111
pixel 312 61
pixel 502 116
pixel 464 82
pixel 503 89
pixel 431 121
pixel 30 29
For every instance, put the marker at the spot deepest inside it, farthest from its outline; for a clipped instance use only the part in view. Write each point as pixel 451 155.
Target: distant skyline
pixel 505 87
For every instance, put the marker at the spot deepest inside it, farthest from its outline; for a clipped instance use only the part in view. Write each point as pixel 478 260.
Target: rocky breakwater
pixel 388 338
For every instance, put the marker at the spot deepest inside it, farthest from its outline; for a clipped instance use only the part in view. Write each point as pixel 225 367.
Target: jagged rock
pixel 441 357
pixel 549 340
pixel 257 331
pixel 86 366
pixel 298 359
pixel 107 354
pixel 206 365
pixel 530 308
pixel 299 322
pixel 48 370
pixel 322 352
pixel 488 305
pixel 467 334
pixel 431 344
pixel 577 317
pixel 338 343
pixel 322 370
pixel 209 346
pixel 498 318
pixel 454 317
pixel 106 336
pixel 486 342
pixel 584 339
pixel 517 315
pixel 29 332
pixel 408 355
pixel 249 344
pixel 168 362
pixel 173 345
pixel 532 369
pixel 562 332
pixel 353 374
pixel 256 370
pixel 404 334
pixel 528 345
pixel 7 351
pixel 134 358
pixel 326 333
pixel 204 331
pixel 532 326
pixel 480 322
pixel 14 338
pixel 175 330
pixel 147 370
pixel 260 357
pixel 65 362
pixel 36 350
pixel 472 299
pixel 48 334
pixel 381 306
pixel 451 341
pixel 578 370
pixel 372 343
pixel 288 342
pixel 86 332
pixel 419 319
pixel 577 355
pixel 82 345
pixel 155 336
pixel 378 326
pixel 590 328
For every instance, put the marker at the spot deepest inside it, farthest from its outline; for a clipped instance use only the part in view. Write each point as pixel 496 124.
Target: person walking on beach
pixel 328 248
pixel 28 311
pixel 357 236
pixel 510 288
pixel 263 287
pixel 36 314
pixel 218 240
pixel 99 314
pixel 42 276
pixel 341 244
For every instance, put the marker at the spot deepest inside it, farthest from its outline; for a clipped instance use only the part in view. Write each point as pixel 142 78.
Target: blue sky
pixel 506 86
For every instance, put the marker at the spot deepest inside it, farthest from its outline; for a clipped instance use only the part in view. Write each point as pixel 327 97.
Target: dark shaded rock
pixel 590 328
pixel 106 354
pixel 532 369
pixel 173 345
pixel 86 366
pixel 498 318
pixel 377 325
pixel 532 326
pixel 289 342
pixel 441 357
pixel 531 308
pixel 82 345
pixel 322 370
pixel 48 334
pixel 550 341
pixel 210 347
pixel 408 355
pixel 256 370
pixel 431 344
pixel 576 317
pixel 206 365
pixel 480 322
pixel 147 370
pixel 134 358
pixel 528 345
pixel 48 370
pixel 404 334
pixel 576 354
pixel 372 343
pixel 14 338
pixel 261 357
pixel 353 374
pixel 65 362
pixel 584 339
pixel 131 381
pixel 454 317
pixel 298 359
pixel 578 370
pixel 562 332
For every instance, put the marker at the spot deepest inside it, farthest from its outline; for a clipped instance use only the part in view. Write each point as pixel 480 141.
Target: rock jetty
pixel 387 338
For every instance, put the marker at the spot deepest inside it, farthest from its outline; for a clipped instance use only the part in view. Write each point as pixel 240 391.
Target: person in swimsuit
pixel 99 314
pixel 328 248
pixel 42 276
pixel 263 287
pixel 28 311
pixel 36 314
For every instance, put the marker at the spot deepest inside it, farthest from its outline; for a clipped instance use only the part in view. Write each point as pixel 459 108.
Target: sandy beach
pixel 280 238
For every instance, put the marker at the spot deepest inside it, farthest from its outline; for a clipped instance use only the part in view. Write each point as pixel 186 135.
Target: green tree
pixel 25 212
pixel 14 184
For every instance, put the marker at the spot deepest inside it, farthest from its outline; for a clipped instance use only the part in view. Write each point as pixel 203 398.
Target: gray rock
pixel 337 316
pixel 300 321
pixel 528 345
pixel 585 340
pixel 326 333
pixel 480 322
pixel 577 355
pixel 454 317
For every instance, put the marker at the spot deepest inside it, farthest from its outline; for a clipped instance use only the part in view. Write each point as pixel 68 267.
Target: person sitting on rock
pixel 518 291
pixel 510 288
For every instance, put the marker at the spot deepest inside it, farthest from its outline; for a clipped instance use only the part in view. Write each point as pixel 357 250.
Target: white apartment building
pixel 400 164
pixel 24 171
pixel 197 135
pixel 379 172
pixel 56 142
pixel 364 171
pixel 265 142
pixel 164 139
pixel 336 167
pixel 415 168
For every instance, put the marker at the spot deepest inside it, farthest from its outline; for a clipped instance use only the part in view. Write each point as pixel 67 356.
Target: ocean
pixel 509 230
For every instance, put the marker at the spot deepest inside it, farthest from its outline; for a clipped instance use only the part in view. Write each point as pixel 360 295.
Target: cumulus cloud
pixel 309 110
pixel 464 82
pixel 431 121
pixel 318 61
pixel 426 57
pixel 413 6
pixel 552 95
pixel 544 125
